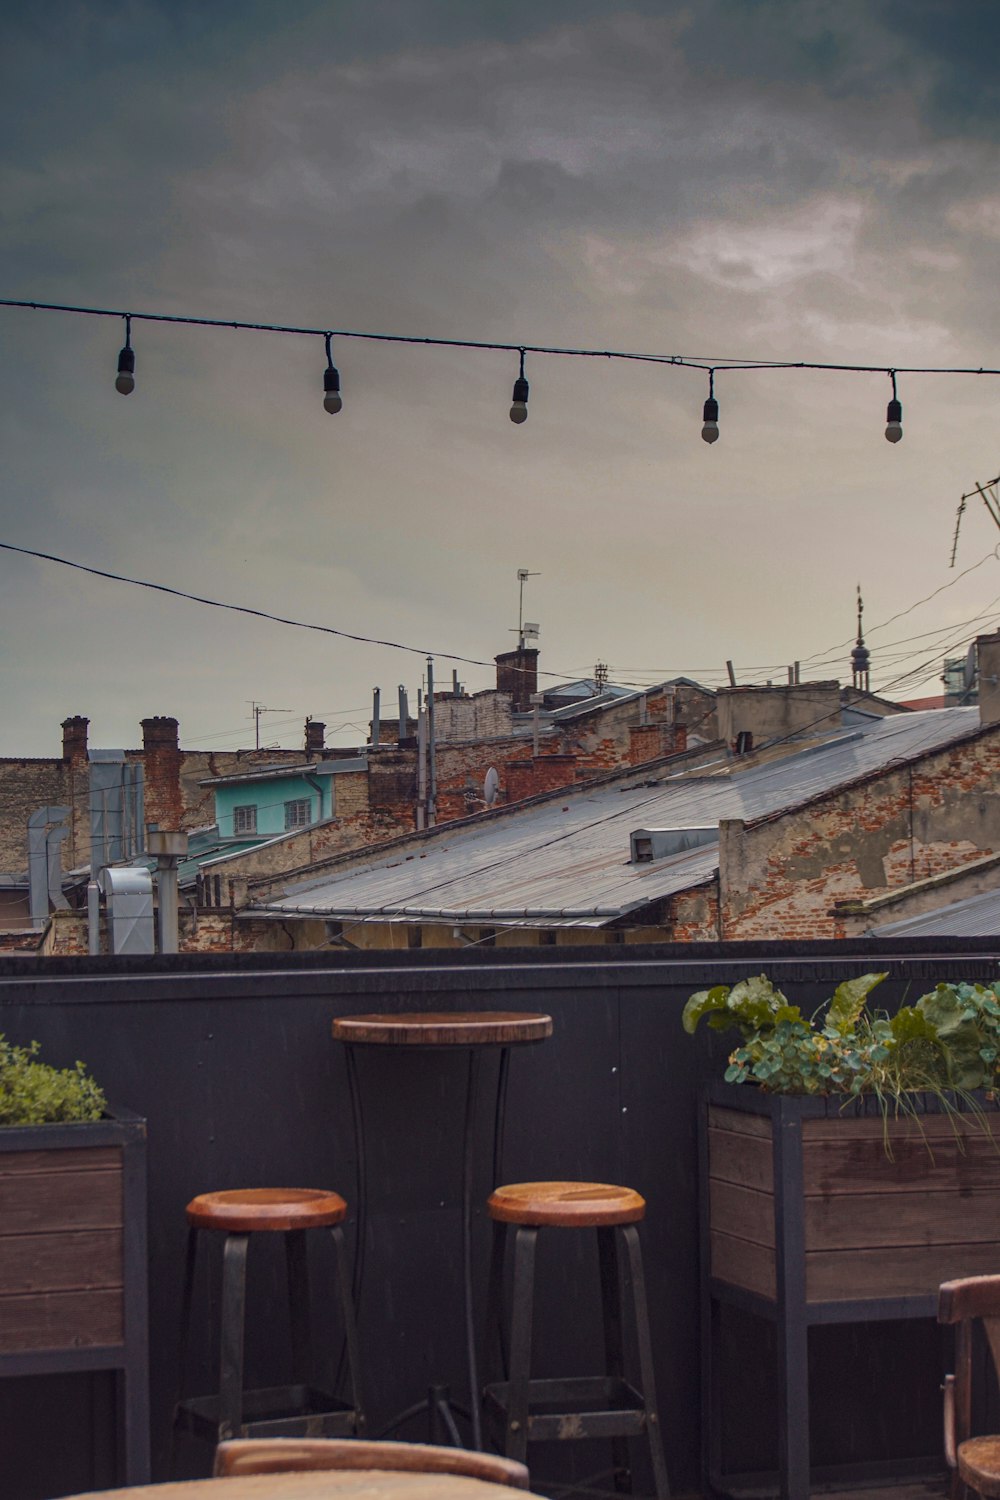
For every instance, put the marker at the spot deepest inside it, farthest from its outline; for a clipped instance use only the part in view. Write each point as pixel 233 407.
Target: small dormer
pixel 651 844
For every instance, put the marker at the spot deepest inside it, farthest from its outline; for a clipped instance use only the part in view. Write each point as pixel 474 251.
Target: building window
pixel 245 819
pixel 298 814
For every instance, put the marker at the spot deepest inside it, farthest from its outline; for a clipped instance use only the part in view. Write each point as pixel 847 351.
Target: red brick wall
pixel 780 876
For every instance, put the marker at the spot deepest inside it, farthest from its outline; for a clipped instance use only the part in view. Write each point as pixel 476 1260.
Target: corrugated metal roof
pixel 976 916
pixel 568 859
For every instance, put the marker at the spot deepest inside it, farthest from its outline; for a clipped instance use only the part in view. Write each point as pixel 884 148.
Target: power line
pixel 260 614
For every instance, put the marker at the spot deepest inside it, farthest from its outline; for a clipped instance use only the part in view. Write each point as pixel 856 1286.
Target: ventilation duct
pixel 649 844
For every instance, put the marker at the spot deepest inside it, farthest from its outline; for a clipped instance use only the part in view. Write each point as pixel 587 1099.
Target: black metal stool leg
pixel 516 1436
pixel 187 1300
pixel 614 1348
pixel 494 1338
pixel 350 1329
pixel 645 1345
pixel 297 1260
pixel 234 1282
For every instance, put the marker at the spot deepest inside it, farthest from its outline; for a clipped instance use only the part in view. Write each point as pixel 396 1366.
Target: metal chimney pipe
pixel 432 763
pixel 376 715
pixel 404 715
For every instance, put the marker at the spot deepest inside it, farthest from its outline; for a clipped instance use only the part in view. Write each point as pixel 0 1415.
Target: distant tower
pixel 860 656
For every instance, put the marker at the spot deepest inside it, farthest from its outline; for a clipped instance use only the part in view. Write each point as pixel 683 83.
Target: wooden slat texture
pixel 741 1263
pixel 743 1159
pixel 861 1165
pixel 49 1201
pixel 59 1262
pixel 738 1122
pixel 60 1320
pixel 87 1159
pixel 742 1212
pixel 845 1221
pixel 849 1275
pixel 902 1128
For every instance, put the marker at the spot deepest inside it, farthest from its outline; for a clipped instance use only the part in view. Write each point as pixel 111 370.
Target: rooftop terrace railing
pixel 232 1063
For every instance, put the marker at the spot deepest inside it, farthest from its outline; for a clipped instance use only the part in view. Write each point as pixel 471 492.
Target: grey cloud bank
pixel 776 180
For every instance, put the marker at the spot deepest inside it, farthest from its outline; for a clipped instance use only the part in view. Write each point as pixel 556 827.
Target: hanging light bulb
pixel 519 403
pixel 893 415
pixel 125 379
pixel 710 413
pixel 332 401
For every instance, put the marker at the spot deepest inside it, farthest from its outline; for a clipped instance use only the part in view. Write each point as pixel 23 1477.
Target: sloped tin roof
pixel 567 861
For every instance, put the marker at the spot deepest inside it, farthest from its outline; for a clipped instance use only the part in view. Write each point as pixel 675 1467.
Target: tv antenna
pixel 991 499
pixel 257 709
pixel 524 631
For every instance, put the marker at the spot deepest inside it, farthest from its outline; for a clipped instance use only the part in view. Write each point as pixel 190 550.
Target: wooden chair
pixel 286 1455
pixel 973 1461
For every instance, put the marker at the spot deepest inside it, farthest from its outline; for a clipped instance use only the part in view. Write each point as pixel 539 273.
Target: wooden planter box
pixel 806 1219
pixel 73 1286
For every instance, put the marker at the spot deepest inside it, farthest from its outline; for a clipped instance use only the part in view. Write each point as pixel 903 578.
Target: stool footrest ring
pixel 274 1411
pixel 611 1407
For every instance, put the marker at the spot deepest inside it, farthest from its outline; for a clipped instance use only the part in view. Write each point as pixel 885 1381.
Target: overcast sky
pixel 768 179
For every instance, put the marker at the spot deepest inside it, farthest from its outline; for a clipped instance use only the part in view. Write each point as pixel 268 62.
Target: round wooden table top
pixel 445 1028
pixel 330 1484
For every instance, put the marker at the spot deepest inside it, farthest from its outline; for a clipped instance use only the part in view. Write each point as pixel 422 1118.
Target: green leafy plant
pixel 947 1043
pixel 33 1093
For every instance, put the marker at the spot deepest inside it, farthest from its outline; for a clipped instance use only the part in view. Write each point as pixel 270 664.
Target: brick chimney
pixel 161 758
pixel 517 674
pixel 315 735
pixel 75 738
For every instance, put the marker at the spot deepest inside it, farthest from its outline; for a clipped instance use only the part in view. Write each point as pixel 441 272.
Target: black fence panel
pixel 232 1062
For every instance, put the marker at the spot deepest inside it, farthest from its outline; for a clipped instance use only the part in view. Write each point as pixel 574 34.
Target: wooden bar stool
pixel 522 1410
pixel 299 1409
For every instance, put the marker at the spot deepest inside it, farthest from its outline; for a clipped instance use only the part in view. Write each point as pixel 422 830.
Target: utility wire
pixel 245 609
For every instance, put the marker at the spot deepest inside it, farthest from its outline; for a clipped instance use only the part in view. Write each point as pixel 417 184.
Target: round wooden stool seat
pixel 979 1465
pixel 571 1205
pixel 246 1210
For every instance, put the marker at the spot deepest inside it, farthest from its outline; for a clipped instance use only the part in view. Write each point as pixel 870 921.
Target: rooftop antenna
pixel 988 494
pixel 258 709
pixel 523 574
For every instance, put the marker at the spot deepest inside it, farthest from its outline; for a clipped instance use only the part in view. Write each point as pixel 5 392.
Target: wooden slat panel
pixel 50 1201
pixel 742 1212
pixel 60 1320
pixel 59 1262
pixel 851 1221
pixel 88 1159
pixel 743 1159
pixel 740 1263
pixel 861 1165
pixel 738 1122
pixel 905 1127
pixel 847 1275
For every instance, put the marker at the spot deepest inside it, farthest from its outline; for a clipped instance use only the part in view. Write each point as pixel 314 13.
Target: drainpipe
pixel 317 786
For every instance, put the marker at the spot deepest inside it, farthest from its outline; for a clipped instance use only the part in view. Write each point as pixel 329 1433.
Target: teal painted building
pixel 268 802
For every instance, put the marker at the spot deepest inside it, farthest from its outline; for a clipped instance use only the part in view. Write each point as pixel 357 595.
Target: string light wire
pixel 692 361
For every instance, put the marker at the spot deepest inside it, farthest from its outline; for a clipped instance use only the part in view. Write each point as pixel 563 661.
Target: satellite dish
pixel 969 675
pixel 491 786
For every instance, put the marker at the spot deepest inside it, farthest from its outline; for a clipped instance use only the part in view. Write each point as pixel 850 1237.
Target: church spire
pixel 860 656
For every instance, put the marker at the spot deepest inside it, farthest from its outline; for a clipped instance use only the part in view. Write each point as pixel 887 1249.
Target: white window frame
pixel 293 822
pixel 245 818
